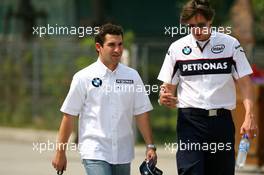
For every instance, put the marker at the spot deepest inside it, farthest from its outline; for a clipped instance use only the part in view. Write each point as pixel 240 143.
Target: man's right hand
pixel 59 162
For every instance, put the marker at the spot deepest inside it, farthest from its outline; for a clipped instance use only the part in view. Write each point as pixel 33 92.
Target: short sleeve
pixel 75 98
pixel 242 66
pixel 168 72
pixel 142 103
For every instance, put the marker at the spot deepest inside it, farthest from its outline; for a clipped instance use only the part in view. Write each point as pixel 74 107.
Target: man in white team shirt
pixel 105 98
pixel 203 67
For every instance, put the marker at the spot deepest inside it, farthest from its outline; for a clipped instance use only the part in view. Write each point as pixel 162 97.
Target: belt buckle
pixel 212 112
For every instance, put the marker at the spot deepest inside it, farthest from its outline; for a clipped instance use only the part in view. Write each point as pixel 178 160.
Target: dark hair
pixel 107 29
pixel 194 7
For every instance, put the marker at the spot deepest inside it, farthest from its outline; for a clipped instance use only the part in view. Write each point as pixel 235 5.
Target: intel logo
pixel 218 48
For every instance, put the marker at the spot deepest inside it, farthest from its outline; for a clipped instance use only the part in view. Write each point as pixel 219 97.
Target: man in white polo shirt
pixel 204 66
pixel 106 95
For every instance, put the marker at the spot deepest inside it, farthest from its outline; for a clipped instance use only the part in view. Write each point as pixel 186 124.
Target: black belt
pixel 204 112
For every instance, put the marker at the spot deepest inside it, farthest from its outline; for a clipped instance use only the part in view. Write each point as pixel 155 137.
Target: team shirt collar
pixel 103 70
pixel 210 42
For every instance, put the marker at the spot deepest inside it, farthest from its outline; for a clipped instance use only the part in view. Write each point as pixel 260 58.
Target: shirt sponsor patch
pixel 124 81
pixel 96 82
pixel 187 50
pixel 241 50
pixel 237 46
pixel 205 66
pixel 218 48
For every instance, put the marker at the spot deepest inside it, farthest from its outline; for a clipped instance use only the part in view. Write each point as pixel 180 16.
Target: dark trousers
pixel 205 143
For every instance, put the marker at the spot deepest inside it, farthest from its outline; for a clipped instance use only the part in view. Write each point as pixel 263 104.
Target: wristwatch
pixel 151 146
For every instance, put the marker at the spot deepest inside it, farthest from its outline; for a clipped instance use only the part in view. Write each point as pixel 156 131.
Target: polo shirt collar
pixel 211 42
pixel 103 70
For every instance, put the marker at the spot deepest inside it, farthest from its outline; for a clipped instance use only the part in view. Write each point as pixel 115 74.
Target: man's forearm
pixel 143 125
pixel 249 126
pixel 248 104
pixel 65 131
pixel 246 89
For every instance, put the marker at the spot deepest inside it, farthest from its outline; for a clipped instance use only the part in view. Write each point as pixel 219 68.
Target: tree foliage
pixel 258 8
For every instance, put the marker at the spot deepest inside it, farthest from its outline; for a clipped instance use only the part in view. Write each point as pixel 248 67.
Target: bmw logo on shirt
pixel 187 50
pixel 96 82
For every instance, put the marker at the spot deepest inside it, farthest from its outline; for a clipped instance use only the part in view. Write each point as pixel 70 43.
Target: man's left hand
pixel 151 154
pixel 249 126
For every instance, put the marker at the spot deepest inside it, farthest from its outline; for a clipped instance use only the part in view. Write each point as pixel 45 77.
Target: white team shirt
pixel 106 103
pixel 205 77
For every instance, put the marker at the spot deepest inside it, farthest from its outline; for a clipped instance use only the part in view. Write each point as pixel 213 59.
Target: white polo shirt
pixel 106 102
pixel 205 76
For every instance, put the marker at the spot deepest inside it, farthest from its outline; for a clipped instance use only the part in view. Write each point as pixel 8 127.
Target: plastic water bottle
pixel 242 151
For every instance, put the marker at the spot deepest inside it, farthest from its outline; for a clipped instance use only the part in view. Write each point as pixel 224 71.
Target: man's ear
pixel 97 46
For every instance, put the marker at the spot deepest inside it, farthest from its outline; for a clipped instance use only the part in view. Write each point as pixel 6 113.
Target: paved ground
pixel 19 155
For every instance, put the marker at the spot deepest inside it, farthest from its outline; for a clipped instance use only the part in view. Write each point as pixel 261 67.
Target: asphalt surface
pixel 21 153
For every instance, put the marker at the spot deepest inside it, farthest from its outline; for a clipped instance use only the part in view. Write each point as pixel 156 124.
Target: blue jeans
pixel 99 167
